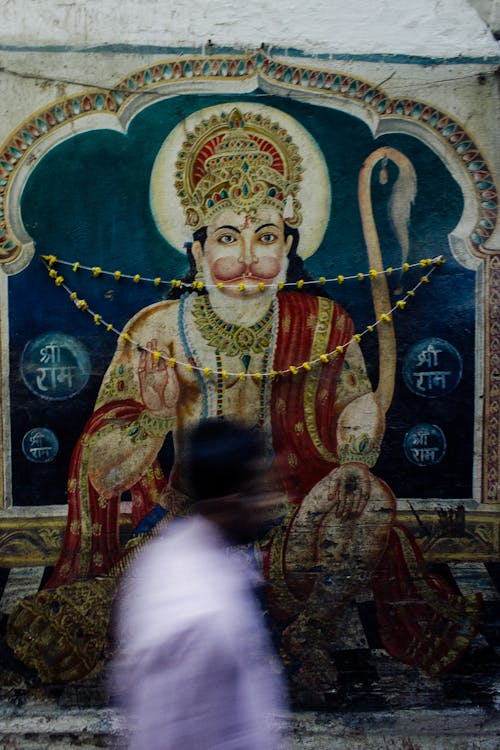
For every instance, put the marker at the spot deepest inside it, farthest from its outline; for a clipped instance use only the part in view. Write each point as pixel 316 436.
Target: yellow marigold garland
pixel 324 358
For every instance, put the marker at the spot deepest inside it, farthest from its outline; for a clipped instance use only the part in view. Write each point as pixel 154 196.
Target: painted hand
pixel 158 382
pixel 349 490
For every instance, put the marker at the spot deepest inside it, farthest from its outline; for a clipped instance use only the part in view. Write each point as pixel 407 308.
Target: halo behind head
pixel 243 156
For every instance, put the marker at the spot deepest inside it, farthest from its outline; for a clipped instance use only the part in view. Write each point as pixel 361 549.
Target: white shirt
pixel 194 669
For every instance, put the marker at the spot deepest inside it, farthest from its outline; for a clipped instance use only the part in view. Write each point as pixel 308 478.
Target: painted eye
pixel 226 239
pixel 268 238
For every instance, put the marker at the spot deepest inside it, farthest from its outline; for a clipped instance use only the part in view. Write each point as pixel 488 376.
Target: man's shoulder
pixel 184 538
pixel 186 565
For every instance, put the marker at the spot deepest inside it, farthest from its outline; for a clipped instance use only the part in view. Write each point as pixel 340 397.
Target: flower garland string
pixel 324 358
pixel 97 271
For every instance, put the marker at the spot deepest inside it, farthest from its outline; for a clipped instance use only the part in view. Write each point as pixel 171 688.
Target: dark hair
pixel 221 458
pixel 296 269
pixel 199 236
pixel 295 272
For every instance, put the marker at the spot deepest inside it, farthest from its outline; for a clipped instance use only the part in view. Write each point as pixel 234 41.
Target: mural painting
pixel 273 253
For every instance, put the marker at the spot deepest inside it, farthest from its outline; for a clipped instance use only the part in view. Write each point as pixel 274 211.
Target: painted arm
pixel 342 514
pixel 121 452
pixel 360 421
pixel 360 429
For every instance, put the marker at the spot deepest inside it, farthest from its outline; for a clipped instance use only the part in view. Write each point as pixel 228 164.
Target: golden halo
pixel 314 192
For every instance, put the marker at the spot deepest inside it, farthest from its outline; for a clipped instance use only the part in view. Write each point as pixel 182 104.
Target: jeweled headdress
pixel 241 160
pixel 241 155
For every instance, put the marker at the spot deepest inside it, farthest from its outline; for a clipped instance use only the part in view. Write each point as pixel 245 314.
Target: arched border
pixel 48 126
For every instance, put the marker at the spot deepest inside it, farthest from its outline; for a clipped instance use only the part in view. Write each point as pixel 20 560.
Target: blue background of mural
pixel 88 200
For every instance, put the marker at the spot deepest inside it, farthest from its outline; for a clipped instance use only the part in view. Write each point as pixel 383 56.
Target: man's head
pixel 221 459
pixel 224 465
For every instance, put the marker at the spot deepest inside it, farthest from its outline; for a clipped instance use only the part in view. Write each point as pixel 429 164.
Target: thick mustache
pixel 230 269
pixel 246 277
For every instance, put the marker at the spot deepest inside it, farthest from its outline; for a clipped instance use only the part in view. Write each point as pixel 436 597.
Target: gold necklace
pixel 230 338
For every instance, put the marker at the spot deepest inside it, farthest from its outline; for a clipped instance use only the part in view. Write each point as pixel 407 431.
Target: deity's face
pixel 245 249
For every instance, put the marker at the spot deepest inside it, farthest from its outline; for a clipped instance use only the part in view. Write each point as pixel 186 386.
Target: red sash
pixel 301 462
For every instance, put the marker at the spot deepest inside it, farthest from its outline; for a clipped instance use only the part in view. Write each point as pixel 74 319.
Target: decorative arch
pixel 115 108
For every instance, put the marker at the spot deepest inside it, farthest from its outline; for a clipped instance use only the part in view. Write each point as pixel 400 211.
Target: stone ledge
pixel 44 725
pixel 28 540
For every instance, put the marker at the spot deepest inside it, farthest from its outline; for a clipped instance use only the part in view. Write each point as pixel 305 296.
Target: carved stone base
pixel 442 535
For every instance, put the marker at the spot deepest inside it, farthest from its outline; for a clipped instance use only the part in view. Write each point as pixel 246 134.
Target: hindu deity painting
pixel 306 265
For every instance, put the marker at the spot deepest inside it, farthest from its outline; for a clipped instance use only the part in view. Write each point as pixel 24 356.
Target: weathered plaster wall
pixel 439 52
pixel 490 13
pixel 430 28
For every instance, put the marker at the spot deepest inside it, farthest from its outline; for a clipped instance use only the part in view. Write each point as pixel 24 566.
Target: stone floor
pixel 401 710
pixel 44 725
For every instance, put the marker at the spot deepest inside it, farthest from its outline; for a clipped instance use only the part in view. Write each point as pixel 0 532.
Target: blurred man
pixel 194 662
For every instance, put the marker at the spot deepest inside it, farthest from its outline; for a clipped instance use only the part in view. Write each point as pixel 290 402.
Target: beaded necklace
pixel 230 338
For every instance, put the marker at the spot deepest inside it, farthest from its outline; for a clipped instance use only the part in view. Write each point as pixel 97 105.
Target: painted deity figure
pixel 242 341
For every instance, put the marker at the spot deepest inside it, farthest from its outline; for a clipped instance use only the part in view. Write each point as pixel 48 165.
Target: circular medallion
pixel 432 368
pixel 40 445
pixel 424 444
pixel 55 366
pixel 244 339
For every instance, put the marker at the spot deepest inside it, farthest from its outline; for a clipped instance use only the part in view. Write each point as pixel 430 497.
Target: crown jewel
pixel 242 161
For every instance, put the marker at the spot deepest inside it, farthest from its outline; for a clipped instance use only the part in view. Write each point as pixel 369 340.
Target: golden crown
pixel 241 161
